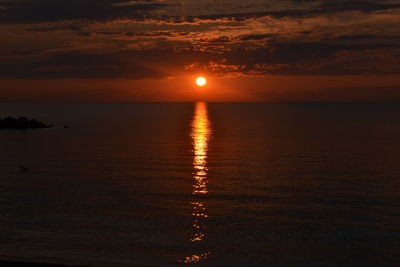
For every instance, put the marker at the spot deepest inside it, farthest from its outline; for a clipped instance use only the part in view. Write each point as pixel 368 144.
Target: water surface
pixel 217 184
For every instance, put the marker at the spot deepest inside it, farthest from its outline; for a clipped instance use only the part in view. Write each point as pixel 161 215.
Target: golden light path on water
pixel 201 135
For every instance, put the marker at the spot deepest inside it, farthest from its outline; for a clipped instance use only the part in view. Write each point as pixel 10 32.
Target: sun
pixel 201 81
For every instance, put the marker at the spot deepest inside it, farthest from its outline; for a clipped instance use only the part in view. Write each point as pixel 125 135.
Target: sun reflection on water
pixel 201 135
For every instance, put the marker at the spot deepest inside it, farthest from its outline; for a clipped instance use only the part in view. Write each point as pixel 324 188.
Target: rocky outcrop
pixel 21 123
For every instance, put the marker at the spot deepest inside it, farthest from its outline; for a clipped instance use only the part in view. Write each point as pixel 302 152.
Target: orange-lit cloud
pixel 154 39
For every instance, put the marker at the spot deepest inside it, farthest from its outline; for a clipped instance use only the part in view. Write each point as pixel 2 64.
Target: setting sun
pixel 201 81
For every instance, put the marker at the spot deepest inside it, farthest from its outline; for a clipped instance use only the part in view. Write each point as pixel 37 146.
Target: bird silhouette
pixel 23 169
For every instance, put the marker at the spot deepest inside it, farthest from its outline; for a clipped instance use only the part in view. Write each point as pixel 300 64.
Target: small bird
pixel 23 169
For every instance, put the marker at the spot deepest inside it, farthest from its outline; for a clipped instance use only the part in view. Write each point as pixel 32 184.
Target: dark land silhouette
pixel 21 123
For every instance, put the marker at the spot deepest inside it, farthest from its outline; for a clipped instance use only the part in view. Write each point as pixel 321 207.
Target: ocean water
pixel 211 184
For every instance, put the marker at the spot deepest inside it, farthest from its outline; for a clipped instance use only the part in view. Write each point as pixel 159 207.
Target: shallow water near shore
pixel 217 184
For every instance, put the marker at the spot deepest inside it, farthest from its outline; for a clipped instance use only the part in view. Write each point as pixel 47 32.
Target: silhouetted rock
pixel 66 126
pixel 21 123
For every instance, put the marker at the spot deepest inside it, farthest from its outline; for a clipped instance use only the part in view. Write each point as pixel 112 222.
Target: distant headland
pixel 21 123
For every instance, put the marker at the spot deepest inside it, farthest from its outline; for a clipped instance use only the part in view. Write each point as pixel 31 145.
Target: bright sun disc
pixel 201 81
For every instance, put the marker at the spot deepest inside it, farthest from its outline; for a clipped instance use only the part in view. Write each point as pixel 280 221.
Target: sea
pixel 205 184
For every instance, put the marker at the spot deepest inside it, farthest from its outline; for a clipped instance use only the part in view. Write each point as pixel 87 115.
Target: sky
pixel 152 50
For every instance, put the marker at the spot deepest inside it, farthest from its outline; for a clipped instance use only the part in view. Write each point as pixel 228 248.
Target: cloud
pixel 314 59
pixel 331 94
pixel 284 59
pixel 32 11
pixel 135 39
pixel 157 63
